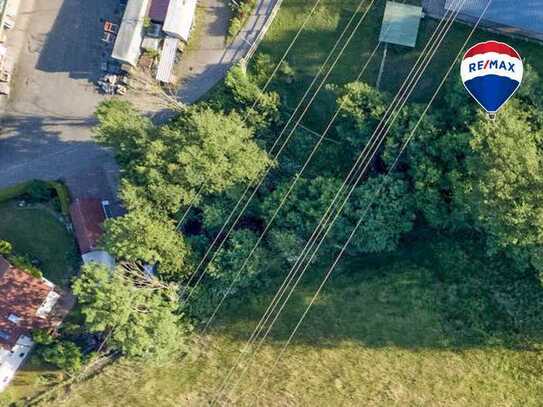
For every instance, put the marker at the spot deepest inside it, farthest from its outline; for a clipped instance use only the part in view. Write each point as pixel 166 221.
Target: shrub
pixel 24 264
pixel 64 354
pixel 38 191
pixel 5 248
pixel 63 194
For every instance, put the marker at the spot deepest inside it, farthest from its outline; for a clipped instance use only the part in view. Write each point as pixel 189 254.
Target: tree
pixel 166 167
pixel 140 236
pixel 231 260
pixel 138 316
pixel 304 207
pixel 64 354
pixel 123 128
pixel 387 209
pixel 261 108
pixel 5 248
pixel 502 186
pixel 363 106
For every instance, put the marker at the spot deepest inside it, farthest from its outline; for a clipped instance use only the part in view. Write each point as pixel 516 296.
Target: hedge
pixel 29 187
pixel 63 195
pixel 15 191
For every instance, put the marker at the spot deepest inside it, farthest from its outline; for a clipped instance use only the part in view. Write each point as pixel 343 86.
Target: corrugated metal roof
pixel 524 14
pixel 400 24
pixel 167 60
pixel 179 18
pixel 128 42
pixel 158 10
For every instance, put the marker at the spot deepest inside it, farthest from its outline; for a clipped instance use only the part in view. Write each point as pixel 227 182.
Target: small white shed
pixel 127 46
pixel 180 18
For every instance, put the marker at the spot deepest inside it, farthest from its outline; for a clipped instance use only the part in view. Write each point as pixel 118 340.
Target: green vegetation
pixel 437 300
pixel 322 31
pixel 36 233
pixel 241 11
pixel 406 329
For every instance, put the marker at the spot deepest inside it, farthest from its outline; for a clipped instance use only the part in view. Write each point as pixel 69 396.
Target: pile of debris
pixel 113 84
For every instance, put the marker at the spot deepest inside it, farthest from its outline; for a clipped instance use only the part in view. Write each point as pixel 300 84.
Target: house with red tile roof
pixel 27 303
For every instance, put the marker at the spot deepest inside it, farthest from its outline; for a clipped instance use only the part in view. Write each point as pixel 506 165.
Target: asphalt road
pixel 46 129
pixel 209 59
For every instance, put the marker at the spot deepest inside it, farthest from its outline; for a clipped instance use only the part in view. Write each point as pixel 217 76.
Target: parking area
pixel 46 127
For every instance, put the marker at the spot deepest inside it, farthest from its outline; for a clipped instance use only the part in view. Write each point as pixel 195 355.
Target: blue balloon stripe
pixel 491 91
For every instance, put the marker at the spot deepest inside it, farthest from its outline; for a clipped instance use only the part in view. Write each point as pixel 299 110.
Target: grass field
pixel 316 41
pixel 387 332
pixel 35 232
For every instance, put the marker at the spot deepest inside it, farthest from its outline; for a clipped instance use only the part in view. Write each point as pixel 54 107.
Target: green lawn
pixel 386 331
pixel 314 44
pixel 35 232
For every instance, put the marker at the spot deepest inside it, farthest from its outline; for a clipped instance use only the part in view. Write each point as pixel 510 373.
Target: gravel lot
pixel 46 129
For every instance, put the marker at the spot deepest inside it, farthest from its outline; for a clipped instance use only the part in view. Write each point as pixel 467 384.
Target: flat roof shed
pixel 127 46
pixel 179 19
pixel 158 10
pixel 87 217
pixel 167 60
pixel 401 24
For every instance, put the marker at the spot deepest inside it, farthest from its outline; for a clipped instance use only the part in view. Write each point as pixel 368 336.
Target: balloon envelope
pixel 492 72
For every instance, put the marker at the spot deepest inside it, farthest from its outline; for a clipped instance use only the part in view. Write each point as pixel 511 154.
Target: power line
pixel 361 219
pixel 362 155
pixel 264 88
pixel 256 188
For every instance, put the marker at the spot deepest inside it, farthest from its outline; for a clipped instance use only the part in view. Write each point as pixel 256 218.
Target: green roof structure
pixel 400 24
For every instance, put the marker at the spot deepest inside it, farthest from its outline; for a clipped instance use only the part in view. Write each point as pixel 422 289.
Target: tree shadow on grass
pixel 419 298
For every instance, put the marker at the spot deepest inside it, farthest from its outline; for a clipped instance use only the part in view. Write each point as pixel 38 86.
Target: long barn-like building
pixel 523 18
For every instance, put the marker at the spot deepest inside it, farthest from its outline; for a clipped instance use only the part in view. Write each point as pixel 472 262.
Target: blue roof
pixel 524 14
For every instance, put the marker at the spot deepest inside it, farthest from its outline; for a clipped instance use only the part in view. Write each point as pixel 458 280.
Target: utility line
pixel 264 88
pixel 256 188
pixel 361 219
pixel 400 91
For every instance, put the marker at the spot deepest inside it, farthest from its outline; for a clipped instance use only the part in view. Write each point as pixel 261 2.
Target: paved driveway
pixel 46 129
pixel 209 59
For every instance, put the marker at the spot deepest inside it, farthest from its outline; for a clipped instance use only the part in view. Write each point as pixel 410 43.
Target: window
pixel 4 335
pixel 15 319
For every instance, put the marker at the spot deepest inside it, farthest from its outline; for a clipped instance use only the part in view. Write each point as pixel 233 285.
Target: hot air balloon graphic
pixel 492 72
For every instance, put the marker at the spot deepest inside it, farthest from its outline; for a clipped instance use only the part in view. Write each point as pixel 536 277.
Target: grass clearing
pixel 322 31
pixel 35 232
pixel 380 335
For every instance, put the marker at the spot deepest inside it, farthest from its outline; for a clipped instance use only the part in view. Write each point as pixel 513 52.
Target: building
pixel 158 11
pixel 179 19
pixel 518 18
pixel 27 303
pixel 127 48
pixel 88 216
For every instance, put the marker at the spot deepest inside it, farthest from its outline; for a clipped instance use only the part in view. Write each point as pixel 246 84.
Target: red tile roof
pixel 87 217
pixel 21 295
pixel 158 10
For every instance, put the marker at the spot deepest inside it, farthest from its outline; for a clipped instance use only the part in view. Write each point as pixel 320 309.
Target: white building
pixel 127 48
pixel 179 19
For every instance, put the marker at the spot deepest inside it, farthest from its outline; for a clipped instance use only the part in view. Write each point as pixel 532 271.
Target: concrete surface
pixel 207 62
pixel 46 129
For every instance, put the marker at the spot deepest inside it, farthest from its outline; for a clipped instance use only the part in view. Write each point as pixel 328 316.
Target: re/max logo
pixel 492 64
